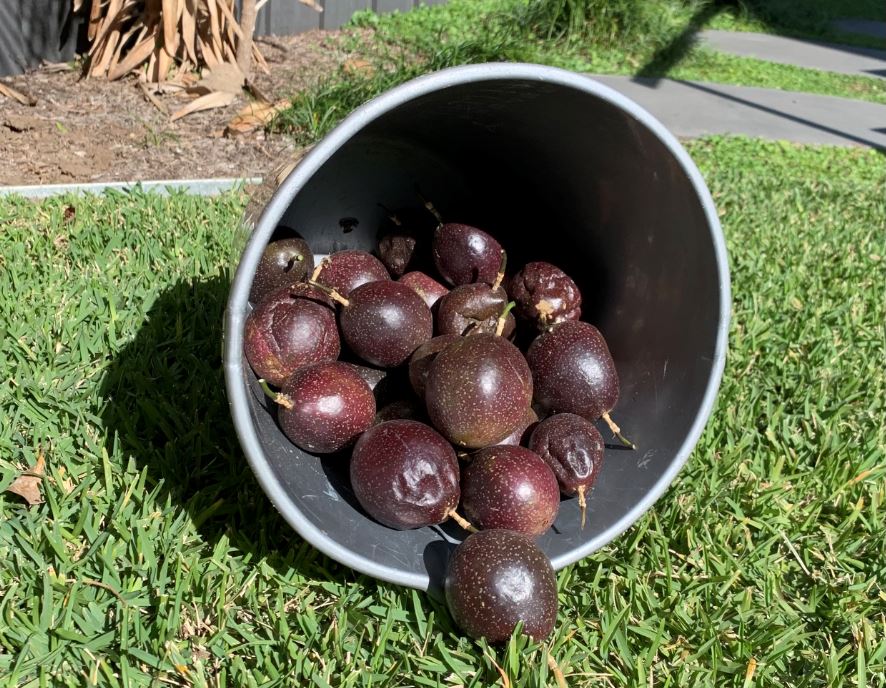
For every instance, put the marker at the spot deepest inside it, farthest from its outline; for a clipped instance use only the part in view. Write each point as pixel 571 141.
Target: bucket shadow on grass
pixel 165 405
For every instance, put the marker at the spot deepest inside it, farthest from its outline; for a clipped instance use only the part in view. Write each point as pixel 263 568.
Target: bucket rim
pixel 236 310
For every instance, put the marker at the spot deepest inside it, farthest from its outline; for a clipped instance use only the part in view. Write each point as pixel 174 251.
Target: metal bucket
pixel 558 168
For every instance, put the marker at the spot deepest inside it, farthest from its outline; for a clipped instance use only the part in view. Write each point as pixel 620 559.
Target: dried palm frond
pixel 157 36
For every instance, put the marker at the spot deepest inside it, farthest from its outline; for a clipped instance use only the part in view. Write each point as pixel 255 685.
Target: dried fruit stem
pixel 318 270
pixel 582 505
pixel 463 522
pixel 276 397
pixel 617 431
pixel 503 318
pixel 499 277
pixel 392 216
pixel 331 293
pixel 430 206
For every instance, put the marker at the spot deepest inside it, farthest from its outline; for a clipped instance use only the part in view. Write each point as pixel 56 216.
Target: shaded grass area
pixel 157 560
pixel 810 19
pixel 651 40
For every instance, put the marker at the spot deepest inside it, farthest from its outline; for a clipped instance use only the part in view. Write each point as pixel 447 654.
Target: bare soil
pixel 93 130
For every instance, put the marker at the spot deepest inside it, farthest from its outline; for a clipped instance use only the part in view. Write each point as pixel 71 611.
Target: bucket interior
pixel 557 174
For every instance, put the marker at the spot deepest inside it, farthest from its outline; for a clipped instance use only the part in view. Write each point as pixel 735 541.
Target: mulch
pixel 92 130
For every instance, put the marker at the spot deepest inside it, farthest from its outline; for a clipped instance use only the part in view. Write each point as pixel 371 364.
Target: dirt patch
pixel 92 130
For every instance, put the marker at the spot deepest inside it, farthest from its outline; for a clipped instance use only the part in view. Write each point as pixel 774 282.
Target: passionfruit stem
pixel 292 259
pixel 276 397
pixel 503 318
pixel 318 270
pixel 617 431
pixel 392 216
pixel 499 277
pixel 430 206
pixel 582 505
pixel 331 293
pixel 463 522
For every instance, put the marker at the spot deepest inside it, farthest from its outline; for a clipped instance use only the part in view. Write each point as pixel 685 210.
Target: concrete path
pixel 862 27
pixel 196 187
pixel 845 59
pixel 690 108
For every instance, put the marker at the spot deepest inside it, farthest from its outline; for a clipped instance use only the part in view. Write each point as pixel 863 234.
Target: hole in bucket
pixel 348 224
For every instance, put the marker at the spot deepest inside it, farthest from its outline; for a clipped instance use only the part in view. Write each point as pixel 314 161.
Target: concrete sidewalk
pixel 844 59
pixel 689 109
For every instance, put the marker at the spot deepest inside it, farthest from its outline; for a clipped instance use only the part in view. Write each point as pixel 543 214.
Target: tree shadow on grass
pixel 166 406
pixel 672 53
pixel 784 18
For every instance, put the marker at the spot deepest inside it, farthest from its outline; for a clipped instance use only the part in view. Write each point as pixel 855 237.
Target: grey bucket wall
pixel 558 167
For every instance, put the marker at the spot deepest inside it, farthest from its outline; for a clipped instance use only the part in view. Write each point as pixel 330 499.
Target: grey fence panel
pixel 12 58
pixel 35 30
pixel 283 17
pixel 391 5
pixel 337 13
pixel 291 16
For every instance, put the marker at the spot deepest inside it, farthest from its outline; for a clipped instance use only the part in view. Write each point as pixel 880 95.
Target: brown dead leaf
pixel 134 57
pixel 66 482
pixel 260 59
pixel 23 98
pixel 189 28
pixel 165 88
pixel 254 116
pixel 152 99
pixel 285 168
pixel 55 67
pixel 557 671
pixel 284 171
pixel 210 100
pixel 169 17
pixel 357 66
pixel 95 18
pixel 232 21
pixel 505 681
pixel 252 90
pixel 27 485
pixel 215 36
pixel 224 78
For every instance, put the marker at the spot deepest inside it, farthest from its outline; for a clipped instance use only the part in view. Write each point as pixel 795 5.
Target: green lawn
pixel 157 560
pixel 808 19
pixel 595 36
